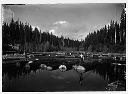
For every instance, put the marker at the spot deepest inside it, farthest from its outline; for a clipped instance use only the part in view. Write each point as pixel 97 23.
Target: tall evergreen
pixel 30 40
pixel 110 38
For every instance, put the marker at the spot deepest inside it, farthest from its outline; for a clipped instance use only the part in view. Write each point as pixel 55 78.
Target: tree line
pixel 111 38
pixel 31 40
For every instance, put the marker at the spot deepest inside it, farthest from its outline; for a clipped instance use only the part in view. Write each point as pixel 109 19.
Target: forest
pixel 111 38
pixel 33 40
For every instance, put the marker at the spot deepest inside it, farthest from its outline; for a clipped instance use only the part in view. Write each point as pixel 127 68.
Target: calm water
pixel 95 78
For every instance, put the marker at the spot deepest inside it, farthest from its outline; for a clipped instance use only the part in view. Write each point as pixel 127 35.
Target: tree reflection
pixel 80 71
pixel 14 72
pixel 110 72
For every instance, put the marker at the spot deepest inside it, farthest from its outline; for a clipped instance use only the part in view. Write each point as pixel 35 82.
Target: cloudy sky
pixel 70 20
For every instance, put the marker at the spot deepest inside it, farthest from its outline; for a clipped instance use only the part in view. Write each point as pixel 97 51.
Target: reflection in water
pixel 43 66
pixel 114 74
pixel 94 77
pixel 81 78
pixel 49 68
pixel 80 71
pixel 108 72
pixel 63 68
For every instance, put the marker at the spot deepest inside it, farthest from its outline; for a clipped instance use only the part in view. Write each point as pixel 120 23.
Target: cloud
pixel 99 26
pixel 60 22
pixel 33 27
pixel 7 14
pixel 71 30
pixel 52 31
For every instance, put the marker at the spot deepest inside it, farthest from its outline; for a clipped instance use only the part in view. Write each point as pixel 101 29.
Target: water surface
pixel 95 78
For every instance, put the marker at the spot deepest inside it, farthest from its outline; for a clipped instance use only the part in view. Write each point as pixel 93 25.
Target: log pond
pixel 45 77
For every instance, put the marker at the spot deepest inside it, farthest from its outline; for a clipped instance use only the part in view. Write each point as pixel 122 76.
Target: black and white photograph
pixel 63 47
